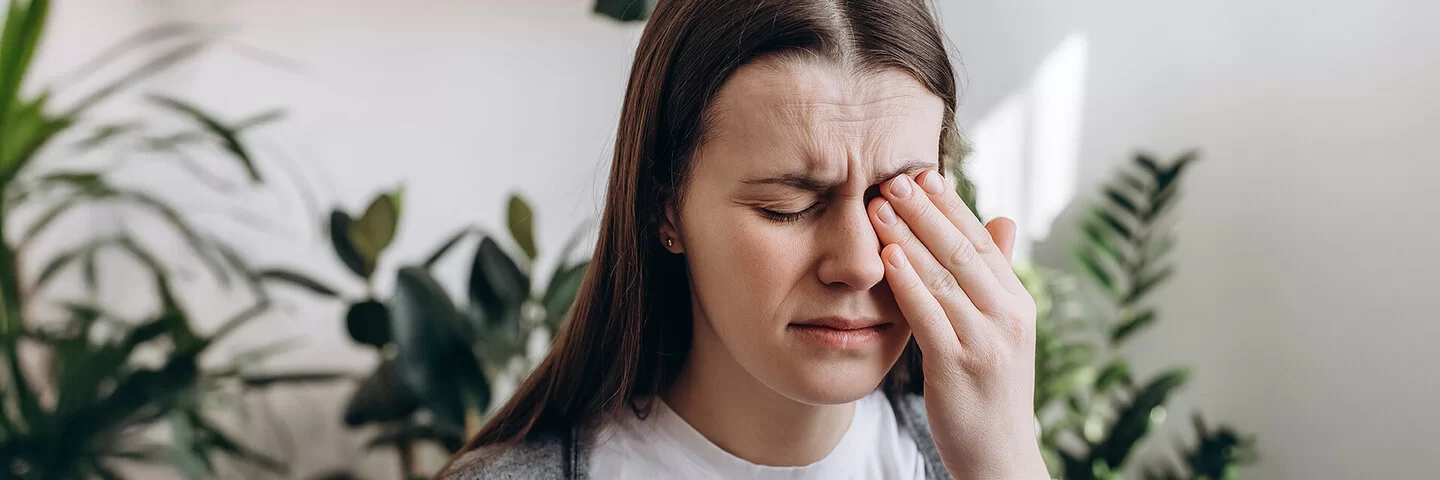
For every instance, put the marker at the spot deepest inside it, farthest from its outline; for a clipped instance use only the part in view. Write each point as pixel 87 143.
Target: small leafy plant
pixel 1093 412
pixel 437 356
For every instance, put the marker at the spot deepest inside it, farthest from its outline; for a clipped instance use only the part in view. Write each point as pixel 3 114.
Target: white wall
pixel 1303 267
pixel 1305 279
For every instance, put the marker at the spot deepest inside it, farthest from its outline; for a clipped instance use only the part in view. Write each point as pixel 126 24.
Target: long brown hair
pixel 629 329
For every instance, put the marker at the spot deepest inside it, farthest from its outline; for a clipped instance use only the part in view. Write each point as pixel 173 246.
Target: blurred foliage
pixel 1092 410
pixel 437 356
pixel 78 388
pixel 625 10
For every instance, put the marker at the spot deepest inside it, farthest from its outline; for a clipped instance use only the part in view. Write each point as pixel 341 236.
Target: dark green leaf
pixel 1114 374
pixel 298 279
pixel 1161 202
pixel 433 359
pixel 228 137
pixel 1099 240
pixel 375 229
pixel 521 220
pixel 1098 273
pixel 1122 200
pixel 266 380
pixel 445 247
pixel 1133 420
pixel 1115 225
pixel 496 284
pixel 105 133
pixel 369 323
pixel 1148 163
pixel 381 397
pixel 344 247
pixel 560 295
pixel 1132 325
pixel 1147 283
pixel 625 10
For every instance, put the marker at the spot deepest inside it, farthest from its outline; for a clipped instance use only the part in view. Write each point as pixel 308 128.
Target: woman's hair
pixel 628 332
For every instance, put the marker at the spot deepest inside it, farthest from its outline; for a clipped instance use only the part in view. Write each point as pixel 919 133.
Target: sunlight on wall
pixel 1027 148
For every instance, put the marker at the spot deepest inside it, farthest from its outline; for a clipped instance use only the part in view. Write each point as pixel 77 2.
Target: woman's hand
pixel 974 322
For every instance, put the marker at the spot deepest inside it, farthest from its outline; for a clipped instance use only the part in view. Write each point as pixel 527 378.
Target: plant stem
pixel 9 279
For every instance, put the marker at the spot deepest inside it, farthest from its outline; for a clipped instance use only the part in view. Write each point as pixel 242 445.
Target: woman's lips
pixel 841 333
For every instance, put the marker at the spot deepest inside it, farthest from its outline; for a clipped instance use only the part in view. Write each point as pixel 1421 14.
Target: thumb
pixel 1003 231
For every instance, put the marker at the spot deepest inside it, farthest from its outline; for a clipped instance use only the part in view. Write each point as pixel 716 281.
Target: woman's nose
pixel 850 249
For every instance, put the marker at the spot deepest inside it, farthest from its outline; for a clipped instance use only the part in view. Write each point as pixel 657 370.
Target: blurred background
pixel 266 239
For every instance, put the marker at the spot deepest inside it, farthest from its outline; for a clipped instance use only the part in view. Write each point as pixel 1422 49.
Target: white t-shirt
pixel 664 446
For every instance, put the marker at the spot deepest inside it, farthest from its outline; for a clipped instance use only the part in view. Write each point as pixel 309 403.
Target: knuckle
pixel 984 242
pixel 944 285
pixel 962 253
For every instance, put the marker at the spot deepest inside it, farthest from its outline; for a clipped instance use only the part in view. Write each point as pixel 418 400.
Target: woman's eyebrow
pixel 811 181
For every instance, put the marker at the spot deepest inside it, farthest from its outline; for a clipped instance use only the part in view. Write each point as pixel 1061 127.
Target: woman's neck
pixel 743 416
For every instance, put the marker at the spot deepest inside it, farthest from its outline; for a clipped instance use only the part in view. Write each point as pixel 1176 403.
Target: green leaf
pixel 1098 273
pixel 228 137
pixel 1115 225
pixel 625 10
pixel 1100 241
pixel 155 65
pixel 266 380
pixel 1147 283
pixel 1122 200
pixel 522 229
pixel 497 285
pixel 433 359
pixel 560 295
pixel 105 133
pixel 368 323
pixel 345 248
pixel 1148 163
pixel 381 397
pixel 1116 373
pixel 375 229
pixel 23 27
pixel 445 247
pixel 298 279
pixel 1133 420
pixel 1132 325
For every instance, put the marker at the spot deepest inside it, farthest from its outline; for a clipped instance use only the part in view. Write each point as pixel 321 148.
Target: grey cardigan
pixel 565 454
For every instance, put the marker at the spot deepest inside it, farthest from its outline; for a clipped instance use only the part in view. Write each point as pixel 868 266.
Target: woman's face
pixel 786 275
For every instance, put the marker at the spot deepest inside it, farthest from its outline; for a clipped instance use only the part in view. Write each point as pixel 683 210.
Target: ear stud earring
pixel 669 242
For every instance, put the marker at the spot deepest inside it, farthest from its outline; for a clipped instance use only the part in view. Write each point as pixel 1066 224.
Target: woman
pixel 778 248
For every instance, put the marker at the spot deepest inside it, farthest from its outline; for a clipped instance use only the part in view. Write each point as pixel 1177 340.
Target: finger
pixel 1003 231
pixel 927 318
pixel 953 250
pixel 954 208
pixel 943 284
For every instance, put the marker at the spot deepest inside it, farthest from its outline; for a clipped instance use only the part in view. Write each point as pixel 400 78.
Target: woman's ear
pixel 670 233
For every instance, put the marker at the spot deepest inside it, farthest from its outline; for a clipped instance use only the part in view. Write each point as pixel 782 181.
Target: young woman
pixel 784 285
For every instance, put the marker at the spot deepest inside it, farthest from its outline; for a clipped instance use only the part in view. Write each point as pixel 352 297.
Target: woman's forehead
pixel 778 117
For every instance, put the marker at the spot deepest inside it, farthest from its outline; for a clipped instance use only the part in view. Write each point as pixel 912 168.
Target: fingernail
pixel 900 188
pixel 886 214
pixel 930 181
pixel 896 259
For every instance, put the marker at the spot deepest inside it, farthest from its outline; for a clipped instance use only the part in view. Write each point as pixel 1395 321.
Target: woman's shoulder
pixel 541 455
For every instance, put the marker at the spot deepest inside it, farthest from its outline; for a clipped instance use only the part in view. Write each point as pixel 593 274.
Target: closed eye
pixel 789 217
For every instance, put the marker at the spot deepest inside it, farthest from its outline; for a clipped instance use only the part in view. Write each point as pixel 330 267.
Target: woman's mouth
pixel 841 333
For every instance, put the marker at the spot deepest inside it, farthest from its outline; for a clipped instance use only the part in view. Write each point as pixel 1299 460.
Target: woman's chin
pixel 831 381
